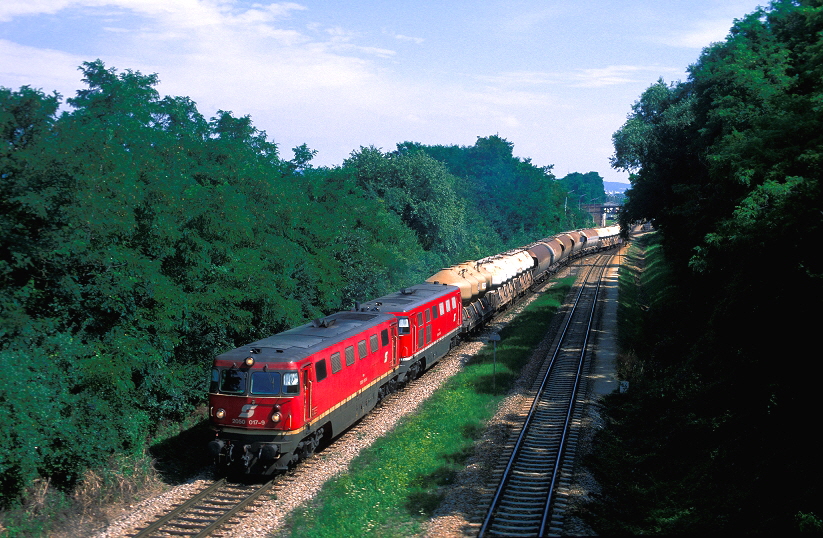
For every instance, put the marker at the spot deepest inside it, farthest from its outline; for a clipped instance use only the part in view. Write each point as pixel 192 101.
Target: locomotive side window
pixel 349 355
pixel 442 308
pixel 265 383
pixel 233 381
pixel 362 350
pixel 402 327
pixel 384 336
pixel 335 362
pixel 320 369
pixel 373 344
pixel 434 311
pixel 291 383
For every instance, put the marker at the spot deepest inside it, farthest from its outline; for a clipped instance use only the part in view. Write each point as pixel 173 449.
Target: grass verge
pixel 394 486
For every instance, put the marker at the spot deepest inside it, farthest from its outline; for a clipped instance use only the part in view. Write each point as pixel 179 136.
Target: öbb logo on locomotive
pixel 306 385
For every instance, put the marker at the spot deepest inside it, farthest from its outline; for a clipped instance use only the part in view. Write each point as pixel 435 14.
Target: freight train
pixel 274 401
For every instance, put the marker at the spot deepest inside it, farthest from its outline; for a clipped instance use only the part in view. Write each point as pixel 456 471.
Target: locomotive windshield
pixel 265 383
pixel 232 381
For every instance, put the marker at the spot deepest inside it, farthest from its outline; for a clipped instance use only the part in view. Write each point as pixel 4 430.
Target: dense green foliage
pixel 509 201
pixel 728 166
pixel 138 239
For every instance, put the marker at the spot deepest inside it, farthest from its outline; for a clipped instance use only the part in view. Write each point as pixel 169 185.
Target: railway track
pixel 207 511
pixel 524 502
pixel 218 507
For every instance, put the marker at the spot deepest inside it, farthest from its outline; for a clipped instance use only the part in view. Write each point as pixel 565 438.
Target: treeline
pixel 719 429
pixel 138 239
pixel 584 188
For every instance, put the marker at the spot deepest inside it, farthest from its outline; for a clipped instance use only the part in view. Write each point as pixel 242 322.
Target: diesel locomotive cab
pixel 259 399
pixel 274 401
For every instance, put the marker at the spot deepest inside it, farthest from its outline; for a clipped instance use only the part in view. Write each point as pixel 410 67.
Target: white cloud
pixel 701 34
pixel 594 77
pixel 415 40
pixel 11 9
pixel 53 70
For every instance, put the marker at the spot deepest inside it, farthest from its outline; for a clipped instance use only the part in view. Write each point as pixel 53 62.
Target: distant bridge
pixel 600 212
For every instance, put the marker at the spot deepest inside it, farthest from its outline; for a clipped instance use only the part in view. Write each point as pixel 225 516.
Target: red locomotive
pixel 272 402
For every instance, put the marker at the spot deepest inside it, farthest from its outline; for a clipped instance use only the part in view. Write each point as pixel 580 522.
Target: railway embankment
pixel 679 452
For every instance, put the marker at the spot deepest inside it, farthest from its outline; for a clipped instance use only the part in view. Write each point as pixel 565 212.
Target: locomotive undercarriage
pixel 248 454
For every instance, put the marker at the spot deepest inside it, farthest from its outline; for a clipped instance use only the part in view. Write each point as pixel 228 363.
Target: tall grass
pixel 393 487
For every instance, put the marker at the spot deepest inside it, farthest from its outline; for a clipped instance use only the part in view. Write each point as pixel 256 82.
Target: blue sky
pixel 555 78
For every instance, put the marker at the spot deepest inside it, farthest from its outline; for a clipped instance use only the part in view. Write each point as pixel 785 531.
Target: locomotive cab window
pixel 265 383
pixel 232 381
pixel 403 326
pixel 291 383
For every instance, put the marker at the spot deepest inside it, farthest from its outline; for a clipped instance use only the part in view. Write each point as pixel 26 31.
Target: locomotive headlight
pixel 249 361
pixel 220 413
pixel 276 417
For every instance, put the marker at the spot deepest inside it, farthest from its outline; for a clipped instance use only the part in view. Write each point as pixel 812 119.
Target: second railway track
pixel 523 501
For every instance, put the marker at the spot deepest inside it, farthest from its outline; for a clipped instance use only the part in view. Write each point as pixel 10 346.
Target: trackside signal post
pixel 494 338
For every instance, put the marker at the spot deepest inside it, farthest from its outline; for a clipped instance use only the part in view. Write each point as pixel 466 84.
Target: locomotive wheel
pixel 414 371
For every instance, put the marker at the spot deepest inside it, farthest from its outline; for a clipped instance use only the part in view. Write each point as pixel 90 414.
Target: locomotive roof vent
pixel 322 322
pixel 407 291
pixel 256 350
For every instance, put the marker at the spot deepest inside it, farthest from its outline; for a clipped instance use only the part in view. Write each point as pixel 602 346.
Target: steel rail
pixel 176 511
pixel 212 523
pixel 518 446
pixel 560 453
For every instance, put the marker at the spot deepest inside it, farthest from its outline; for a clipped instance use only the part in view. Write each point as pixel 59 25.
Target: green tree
pixel 728 167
